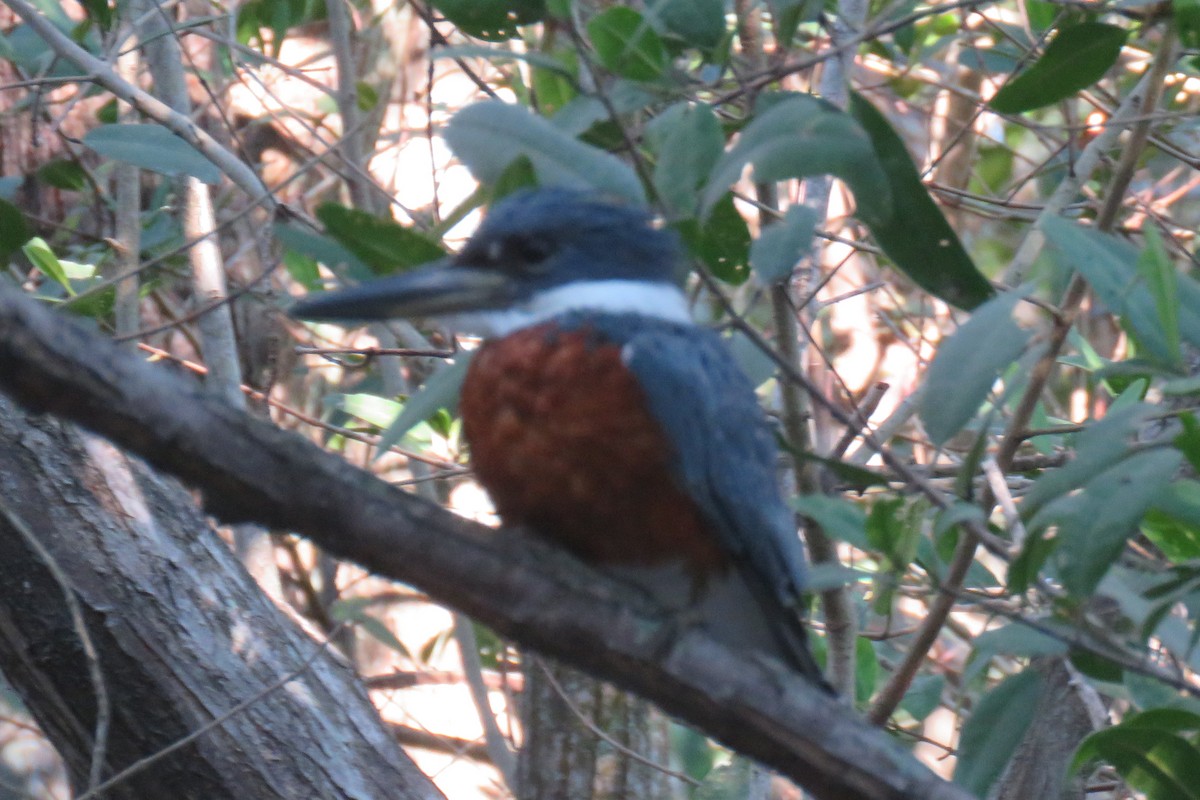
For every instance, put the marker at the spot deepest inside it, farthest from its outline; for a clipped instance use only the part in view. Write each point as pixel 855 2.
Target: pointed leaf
pixel 776 251
pixel 627 44
pixel 967 364
pixel 1076 58
pixel 1150 751
pixel 37 251
pixel 995 728
pixel 1110 266
pixel 914 233
pixel 799 136
pixel 487 136
pixel 1100 445
pixel 151 147
pixel 1093 536
pixel 1158 272
pixel 382 244
pixel 440 391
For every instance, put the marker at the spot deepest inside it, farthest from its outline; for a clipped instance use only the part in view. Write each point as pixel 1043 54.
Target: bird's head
pixel 539 252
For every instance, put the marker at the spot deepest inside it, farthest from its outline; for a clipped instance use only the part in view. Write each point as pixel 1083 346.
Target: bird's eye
pixel 528 251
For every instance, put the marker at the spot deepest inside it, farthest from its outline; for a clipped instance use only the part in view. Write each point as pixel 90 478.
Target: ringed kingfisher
pixel 599 416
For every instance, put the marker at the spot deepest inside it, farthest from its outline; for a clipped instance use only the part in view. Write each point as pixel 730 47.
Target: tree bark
pixel 181 633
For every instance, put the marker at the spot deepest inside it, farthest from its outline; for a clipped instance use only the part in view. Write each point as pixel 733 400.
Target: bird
pixel 599 416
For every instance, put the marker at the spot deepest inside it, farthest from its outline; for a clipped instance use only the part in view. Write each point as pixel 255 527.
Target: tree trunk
pixel 182 636
pixel 567 716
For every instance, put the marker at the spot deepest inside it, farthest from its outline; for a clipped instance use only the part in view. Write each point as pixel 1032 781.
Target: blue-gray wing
pixel 724 457
pixel 724 448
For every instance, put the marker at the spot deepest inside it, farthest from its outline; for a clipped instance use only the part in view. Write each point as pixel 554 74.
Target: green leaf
pixel 967 364
pixel 1097 447
pixel 866 669
pixel 687 141
pixel 857 478
pixel 1110 266
pixel 799 136
pixel 379 412
pixel 151 147
pixel 1187 22
pixel 1159 274
pixel 354 611
pixel 1094 530
pixel 1076 58
pixel 365 95
pixel 99 12
pixel 487 136
pixel 788 14
pixel 37 251
pixel 774 254
pixel 1173 522
pixel 440 391
pixel 14 231
pixel 493 20
pixel 995 728
pixel 913 232
pixel 1150 754
pixel 381 244
pixel 923 696
pixel 63 174
pixel 841 519
pixel 304 270
pixel 722 242
pixel 1014 639
pixel 627 45
pixel 300 239
pixel 1188 441
pixel 700 23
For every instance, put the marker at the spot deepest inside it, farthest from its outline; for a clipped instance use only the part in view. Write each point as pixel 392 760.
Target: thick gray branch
pixel 247 469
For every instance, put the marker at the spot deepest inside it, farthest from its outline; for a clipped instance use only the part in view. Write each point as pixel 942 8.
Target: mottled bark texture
pixel 182 634
pixel 564 753
pixel 1069 710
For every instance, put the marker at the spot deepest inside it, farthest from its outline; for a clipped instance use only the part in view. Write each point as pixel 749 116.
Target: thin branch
pixel 95 673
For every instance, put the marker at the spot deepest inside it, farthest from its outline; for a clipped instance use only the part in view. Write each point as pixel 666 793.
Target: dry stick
pixel 103 704
pixel 1146 92
pixel 501 755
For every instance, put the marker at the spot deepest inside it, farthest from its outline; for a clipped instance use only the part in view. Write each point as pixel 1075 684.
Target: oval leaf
pixel 1078 57
pixel 781 244
pixel 489 135
pixel 966 366
pixel 914 233
pixel 698 22
pixel 493 20
pixel 627 45
pixel 801 136
pixel 687 141
pixel 151 147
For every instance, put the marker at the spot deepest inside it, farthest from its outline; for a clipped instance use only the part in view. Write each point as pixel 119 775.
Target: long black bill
pixel 432 290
